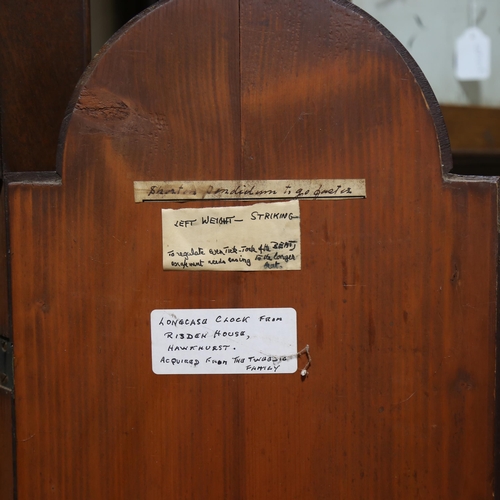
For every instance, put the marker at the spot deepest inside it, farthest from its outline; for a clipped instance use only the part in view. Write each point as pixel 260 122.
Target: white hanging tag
pixel 473 55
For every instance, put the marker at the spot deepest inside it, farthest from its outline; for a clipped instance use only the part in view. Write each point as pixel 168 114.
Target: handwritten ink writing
pixel 191 253
pixel 216 361
pixel 250 189
pixel 272 265
pixel 338 190
pixel 230 250
pixel 161 191
pixel 240 259
pixel 292 245
pixel 218 333
pixel 275 257
pixel 264 236
pixel 201 341
pixel 273 359
pixel 217 262
pixel 220 220
pixel 184 223
pixel 245 249
pixel 240 190
pixel 262 368
pixel 185 264
pixel 176 361
pixel 273 216
pixel 173 347
pixel 301 192
pixel 248 255
pixel 222 251
pixel 183 322
pixel 270 318
pixel 186 336
pixel 227 319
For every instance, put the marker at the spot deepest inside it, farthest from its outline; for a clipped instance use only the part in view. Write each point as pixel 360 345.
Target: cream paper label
pixel 305 189
pixel 260 237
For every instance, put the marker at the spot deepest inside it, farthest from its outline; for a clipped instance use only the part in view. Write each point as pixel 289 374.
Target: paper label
pixel 259 237
pixel 473 56
pixel 211 341
pixel 331 189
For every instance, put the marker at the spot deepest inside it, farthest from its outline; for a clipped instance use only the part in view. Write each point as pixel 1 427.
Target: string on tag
pixel 304 373
pixel 476 14
pixel 473 13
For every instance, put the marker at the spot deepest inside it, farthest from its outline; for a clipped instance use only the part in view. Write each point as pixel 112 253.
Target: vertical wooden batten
pixel 45 48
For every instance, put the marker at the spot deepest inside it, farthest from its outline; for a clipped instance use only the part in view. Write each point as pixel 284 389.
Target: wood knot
pixel 103 107
pixel 463 382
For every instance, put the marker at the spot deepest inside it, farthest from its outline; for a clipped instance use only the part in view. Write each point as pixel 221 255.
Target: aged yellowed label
pixel 259 237
pixel 330 189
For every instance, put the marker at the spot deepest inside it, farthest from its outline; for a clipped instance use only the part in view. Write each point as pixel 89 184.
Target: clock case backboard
pixel 397 295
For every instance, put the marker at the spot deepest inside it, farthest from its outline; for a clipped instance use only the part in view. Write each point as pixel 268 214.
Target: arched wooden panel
pixel 396 296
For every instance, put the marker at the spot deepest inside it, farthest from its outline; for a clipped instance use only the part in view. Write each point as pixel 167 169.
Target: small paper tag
pixel 473 55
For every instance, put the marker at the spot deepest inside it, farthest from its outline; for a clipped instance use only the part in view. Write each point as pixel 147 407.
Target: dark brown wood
pixel 45 48
pixel 6 399
pixel 473 129
pixel 396 296
pixel 5 330
pixel 6 442
pixel 475 139
pixel 476 164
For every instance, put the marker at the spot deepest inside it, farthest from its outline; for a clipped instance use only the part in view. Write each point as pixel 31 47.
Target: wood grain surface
pixel 6 398
pixel 45 48
pixel 396 297
pixel 7 453
pixel 473 129
pixel 5 330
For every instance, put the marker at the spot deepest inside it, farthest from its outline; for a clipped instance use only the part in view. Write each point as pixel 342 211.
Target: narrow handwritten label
pixel 210 341
pixel 260 237
pixel 331 189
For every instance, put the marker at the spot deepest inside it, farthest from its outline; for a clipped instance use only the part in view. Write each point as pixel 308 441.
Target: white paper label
pixel 212 341
pixel 472 55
